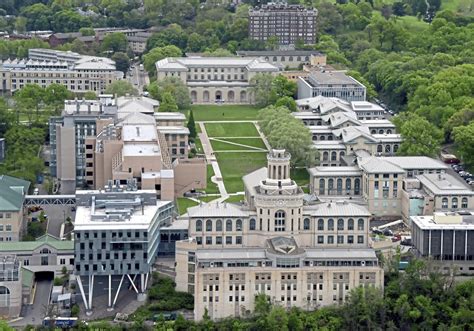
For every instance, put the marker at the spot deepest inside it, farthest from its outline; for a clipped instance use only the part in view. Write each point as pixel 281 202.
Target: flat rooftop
pixel 444 184
pixel 335 171
pixel 332 78
pixel 139 133
pixel 445 221
pixel 131 149
pixel 415 162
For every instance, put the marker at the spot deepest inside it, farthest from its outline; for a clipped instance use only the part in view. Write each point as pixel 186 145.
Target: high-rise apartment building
pixel 289 23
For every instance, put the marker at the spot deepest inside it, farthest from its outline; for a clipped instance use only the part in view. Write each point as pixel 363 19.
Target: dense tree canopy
pixel 175 87
pixel 121 88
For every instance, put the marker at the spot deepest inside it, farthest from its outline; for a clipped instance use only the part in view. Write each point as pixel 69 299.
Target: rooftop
pixel 445 221
pixel 335 171
pixel 12 193
pixel 251 63
pixel 338 208
pixel 376 165
pixel 444 184
pixel 47 239
pixel 131 149
pixel 332 78
pixel 415 162
pixel 216 209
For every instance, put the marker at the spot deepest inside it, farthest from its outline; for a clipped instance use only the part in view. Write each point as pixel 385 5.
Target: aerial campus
pixel 236 165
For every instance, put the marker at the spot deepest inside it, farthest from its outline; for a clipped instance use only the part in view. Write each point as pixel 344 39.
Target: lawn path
pixel 207 147
pixel 241 145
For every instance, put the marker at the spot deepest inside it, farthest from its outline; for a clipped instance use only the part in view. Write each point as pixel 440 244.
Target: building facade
pixel 288 59
pixel 331 84
pixel 289 23
pixel 447 239
pixel 117 234
pixel 215 79
pixel 12 196
pixel 10 286
pixel 79 73
pixel 303 255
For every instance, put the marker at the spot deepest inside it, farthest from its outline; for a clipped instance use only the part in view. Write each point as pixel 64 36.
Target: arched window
pixel 322 184
pixel 464 203
pixel 340 224
pixel 357 186
pixel 315 137
pixel 325 156
pixel 45 251
pixel 444 203
pixel 339 186
pixel 228 225
pixel 373 131
pixel 379 148
pixel 330 186
pixel 306 224
pixel 395 148
pixel 218 225
pixel 348 186
pixel 252 224
pixel 350 224
pixel 330 224
pixel 329 137
pixel 341 155
pixel 333 156
pixel 380 131
pixel 238 225
pixel 198 225
pixel 275 59
pixel 388 148
pixel 4 296
pixel 360 224
pixel 209 225
pixel 389 131
pixel 280 221
pixel 322 138
pixel 321 224
pixel 454 203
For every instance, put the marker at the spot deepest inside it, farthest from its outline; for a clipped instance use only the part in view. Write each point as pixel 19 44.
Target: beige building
pixel 299 254
pixel 12 195
pixel 215 79
pixel 385 184
pixel 78 73
pixel 292 59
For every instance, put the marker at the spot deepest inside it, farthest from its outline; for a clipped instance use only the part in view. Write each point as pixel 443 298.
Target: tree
pixel 284 131
pixel 192 127
pixel 420 137
pixel 168 103
pixel 173 85
pixel 87 31
pixel 159 53
pixel 287 102
pixel 31 96
pixel 267 89
pixel 114 42
pixel 55 95
pixel 89 95
pixel 271 43
pixel 464 139
pixel 121 88
pixel 122 61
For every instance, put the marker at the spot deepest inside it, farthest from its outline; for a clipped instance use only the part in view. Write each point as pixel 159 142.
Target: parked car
pixel 406 242
pixel 387 232
pixel 396 237
pixel 377 231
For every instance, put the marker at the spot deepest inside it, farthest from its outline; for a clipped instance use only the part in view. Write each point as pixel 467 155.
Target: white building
pixel 331 84
pixel 215 79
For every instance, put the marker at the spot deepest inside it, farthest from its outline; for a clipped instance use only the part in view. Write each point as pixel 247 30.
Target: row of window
pixel 454 203
pixel 5 215
pixel 218 240
pixel 8 227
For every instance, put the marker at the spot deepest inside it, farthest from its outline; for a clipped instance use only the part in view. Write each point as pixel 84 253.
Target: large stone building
pixel 116 236
pixel 447 239
pixel 97 141
pixel 299 254
pixel 215 79
pixel 289 23
pixel 292 59
pixel 79 73
pixel 331 84
pixel 12 196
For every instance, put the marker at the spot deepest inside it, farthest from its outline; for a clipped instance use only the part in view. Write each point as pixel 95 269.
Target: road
pixel 138 77
pixel 34 314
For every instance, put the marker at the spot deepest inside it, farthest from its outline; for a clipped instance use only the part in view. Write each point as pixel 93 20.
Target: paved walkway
pixel 265 141
pixel 208 151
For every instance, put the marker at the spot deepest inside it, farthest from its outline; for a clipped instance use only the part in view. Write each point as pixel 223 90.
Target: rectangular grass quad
pixel 231 130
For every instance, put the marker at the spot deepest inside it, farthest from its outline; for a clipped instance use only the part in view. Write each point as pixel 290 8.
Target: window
pixel 252 224
pixel 4 296
pixel 320 239
pixel 330 185
pixel 340 224
pixel 321 224
pixel 348 186
pixel 464 203
pixel 219 240
pixel 8 227
pixel 238 240
pixel 198 225
pixel 350 239
pixel 330 239
pixel 340 239
pixel 208 240
pixel 333 156
pixel 339 186
pixel 330 224
pixel 357 186
pixel 218 225
pixel 306 224
pixel 350 224
pixel 228 225
pixel 322 184
pixel 444 203
pixel 360 239
pixel 379 148
pixel 238 225
pixel 209 225
pixel 228 240
pixel 280 221
pixel 360 224
pixel 454 203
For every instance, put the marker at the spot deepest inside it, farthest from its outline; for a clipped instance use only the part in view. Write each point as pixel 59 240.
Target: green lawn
pixel 198 144
pixel 255 142
pixel 224 146
pixel 235 165
pixel 235 198
pixel 211 187
pixel 223 112
pixel 184 204
pixel 231 130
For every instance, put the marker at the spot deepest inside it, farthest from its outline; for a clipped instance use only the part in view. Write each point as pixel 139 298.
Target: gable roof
pixel 373 164
pixel 47 240
pixel 12 193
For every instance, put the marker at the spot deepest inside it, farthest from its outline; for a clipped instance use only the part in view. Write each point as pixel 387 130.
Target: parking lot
pixel 56 215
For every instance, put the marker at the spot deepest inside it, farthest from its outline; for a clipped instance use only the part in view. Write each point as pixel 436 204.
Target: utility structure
pixel 117 234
